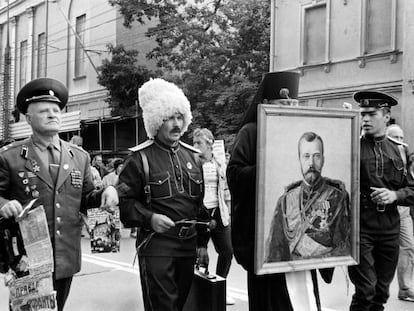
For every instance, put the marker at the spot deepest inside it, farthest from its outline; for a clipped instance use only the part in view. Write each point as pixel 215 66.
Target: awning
pixel 70 122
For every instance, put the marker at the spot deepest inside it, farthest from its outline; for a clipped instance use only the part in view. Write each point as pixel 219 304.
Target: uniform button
pixel 57 205
pixel 58 232
pixel 58 219
pixel 176 165
pixel 179 178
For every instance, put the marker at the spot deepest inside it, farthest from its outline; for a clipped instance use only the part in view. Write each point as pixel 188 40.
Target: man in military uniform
pixel 172 195
pixel 312 218
pixel 53 171
pixel 385 184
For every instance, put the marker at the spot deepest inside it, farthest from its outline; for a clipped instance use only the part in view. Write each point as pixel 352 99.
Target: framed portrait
pixel 307 205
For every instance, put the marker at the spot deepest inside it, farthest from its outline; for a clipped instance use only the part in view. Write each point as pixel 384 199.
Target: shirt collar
pixel 42 145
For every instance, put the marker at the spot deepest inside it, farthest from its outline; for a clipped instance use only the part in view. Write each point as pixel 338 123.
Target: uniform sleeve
pixel 342 226
pixel 277 246
pixel 4 180
pixel 405 195
pixel 131 193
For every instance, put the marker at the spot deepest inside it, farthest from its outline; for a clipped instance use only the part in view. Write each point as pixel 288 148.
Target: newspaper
pixel 36 240
pixel 104 230
pixel 219 151
pixel 33 291
pixel 45 302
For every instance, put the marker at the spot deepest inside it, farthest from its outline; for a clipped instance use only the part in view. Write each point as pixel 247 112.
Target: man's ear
pixel 28 118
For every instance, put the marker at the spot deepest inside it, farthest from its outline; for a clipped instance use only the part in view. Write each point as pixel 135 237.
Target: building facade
pixel 343 46
pixel 65 40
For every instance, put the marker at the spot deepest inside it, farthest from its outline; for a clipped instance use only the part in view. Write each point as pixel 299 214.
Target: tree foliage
pixel 220 48
pixel 122 76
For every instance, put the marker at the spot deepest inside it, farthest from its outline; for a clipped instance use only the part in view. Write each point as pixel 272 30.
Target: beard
pixel 311 176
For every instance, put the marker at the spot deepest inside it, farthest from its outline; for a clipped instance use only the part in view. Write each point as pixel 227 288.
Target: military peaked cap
pixel 42 90
pixel 373 100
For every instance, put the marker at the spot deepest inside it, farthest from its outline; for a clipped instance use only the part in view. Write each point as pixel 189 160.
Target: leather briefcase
pixel 208 292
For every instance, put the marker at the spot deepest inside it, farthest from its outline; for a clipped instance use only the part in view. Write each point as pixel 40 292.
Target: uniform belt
pixel 366 202
pixel 182 231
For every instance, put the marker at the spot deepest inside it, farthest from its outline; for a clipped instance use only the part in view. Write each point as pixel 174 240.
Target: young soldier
pixel 385 184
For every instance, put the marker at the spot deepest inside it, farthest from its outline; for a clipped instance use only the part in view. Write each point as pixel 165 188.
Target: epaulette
pixel 12 145
pixel 335 183
pixel 397 141
pixel 193 149
pixel 293 185
pixel 144 145
pixel 71 146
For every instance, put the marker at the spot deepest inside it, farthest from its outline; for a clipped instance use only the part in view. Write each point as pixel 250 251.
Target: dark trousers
pixel 221 237
pixel 373 275
pixel 268 292
pixel 62 288
pixel 165 282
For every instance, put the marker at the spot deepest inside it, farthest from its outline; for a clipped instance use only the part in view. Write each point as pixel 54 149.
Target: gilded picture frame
pixel 304 223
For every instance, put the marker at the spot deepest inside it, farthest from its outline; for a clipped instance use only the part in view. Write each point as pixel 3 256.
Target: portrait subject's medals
pixel 322 213
pixel 76 178
pixel 189 165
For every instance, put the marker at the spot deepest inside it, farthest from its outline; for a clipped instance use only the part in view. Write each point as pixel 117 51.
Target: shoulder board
pixel 397 142
pixel 13 145
pixel 144 145
pixel 71 147
pixel 335 183
pixel 187 146
pixel 293 185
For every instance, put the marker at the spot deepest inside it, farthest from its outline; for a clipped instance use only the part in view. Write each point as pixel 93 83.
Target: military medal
pixel 21 174
pixel 76 178
pixel 27 190
pixel 35 194
pixel 35 166
pixel 189 166
pixel 25 181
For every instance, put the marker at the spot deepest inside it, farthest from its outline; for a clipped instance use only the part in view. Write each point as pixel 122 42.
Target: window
pixel 79 43
pixel 23 62
pixel 315 34
pixel 378 26
pixel 41 55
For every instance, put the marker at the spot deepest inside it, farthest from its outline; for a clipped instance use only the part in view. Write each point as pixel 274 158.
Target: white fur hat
pixel 159 101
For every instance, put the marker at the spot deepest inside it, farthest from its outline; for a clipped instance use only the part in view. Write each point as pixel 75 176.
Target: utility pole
pixel 46 34
pixel 6 82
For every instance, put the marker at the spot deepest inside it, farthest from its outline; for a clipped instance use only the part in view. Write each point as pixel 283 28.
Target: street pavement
pixel 110 282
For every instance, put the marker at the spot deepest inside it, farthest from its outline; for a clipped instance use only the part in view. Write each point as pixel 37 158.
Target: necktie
pixel 53 163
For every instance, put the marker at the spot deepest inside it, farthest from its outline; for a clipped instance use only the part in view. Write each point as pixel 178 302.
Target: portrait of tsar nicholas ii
pixel 312 217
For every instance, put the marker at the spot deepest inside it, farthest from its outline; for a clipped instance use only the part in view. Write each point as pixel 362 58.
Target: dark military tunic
pixel 310 222
pixel 176 185
pixel 382 166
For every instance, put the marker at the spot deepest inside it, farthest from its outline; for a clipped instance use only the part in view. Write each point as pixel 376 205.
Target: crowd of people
pixel 177 197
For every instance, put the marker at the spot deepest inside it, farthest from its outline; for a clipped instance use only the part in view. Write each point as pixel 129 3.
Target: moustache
pixel 312 170
pixel 175 130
